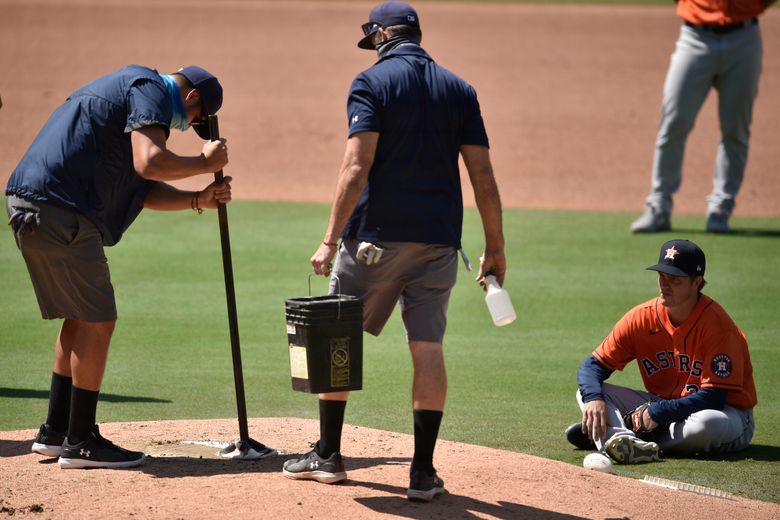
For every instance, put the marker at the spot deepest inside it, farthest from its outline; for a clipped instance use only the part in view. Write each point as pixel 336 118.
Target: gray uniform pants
pixel 706 431
pixel 731 63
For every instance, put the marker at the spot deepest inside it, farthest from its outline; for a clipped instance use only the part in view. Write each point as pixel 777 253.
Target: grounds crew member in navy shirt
pixel 398 210
pixel 96 163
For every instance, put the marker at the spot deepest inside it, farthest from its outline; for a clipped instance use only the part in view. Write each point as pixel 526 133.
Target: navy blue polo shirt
pixel 424 114
pixel 82 158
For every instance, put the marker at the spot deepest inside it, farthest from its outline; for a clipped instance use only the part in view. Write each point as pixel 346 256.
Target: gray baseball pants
pixel 730 63
pixel 706 431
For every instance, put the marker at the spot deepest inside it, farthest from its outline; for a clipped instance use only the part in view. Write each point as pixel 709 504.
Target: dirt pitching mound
pixel 183 478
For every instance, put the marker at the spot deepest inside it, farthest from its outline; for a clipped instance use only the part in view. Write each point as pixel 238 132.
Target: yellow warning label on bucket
pixel 298 365
pixel 339 362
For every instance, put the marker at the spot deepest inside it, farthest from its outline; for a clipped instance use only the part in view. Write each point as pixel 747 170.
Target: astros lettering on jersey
pixel 708 350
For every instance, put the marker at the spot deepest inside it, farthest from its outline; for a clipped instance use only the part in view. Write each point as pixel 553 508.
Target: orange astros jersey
pixel 707 351
pixel 720 12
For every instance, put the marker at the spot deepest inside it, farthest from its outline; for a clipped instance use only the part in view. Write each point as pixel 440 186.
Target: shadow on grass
pixel 760 452
pixel 738 232
pixel 27 393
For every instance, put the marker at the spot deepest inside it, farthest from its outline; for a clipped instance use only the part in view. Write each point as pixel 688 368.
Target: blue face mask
pixel 179 120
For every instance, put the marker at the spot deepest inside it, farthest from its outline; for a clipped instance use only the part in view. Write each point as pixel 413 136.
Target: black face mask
pixel 394 41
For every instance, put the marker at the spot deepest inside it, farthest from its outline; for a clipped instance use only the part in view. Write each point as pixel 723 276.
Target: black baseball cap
pixel 210 92
pixel 680 258
pixel 387 15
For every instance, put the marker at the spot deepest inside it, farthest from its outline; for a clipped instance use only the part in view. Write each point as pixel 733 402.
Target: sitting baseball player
pixel 695 366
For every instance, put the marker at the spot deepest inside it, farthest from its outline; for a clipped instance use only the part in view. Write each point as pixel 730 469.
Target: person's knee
pixel 96 331
pixel 104 329
pixel 677 123
pixel 706 424
pixel 426 354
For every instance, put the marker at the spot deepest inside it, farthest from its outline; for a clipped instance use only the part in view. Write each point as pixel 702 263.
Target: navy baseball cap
pixel 210 92
pixel 680 258
pixel 387 15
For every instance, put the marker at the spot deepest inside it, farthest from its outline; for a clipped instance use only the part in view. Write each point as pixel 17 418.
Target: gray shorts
pixel 418 276
pixel 67 264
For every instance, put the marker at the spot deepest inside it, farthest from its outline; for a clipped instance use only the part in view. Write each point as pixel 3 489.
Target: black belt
pixel 722 29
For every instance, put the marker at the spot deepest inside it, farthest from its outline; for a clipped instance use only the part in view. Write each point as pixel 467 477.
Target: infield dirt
pixel 571 95
pixel 183 480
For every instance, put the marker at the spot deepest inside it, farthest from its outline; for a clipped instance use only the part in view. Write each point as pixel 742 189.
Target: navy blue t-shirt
pixel 82 158
pixel 424 114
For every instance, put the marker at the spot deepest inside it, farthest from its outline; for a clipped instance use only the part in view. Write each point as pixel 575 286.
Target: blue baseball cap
pixel 387 15
pixel 210 92
pixel 680 258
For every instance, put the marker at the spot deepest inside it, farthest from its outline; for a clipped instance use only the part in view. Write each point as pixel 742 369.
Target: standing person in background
pixel 398 209
pixel 719 47
pixel 96 163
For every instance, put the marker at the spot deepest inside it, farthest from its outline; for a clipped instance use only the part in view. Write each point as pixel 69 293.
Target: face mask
pixel 179 120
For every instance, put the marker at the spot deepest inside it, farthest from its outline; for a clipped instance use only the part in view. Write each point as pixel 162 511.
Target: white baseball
pixel 597 462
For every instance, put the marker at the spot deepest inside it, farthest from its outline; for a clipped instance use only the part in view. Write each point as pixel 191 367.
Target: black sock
pixel 331 421
pixel 83 407
pixel 426 431
pixel 59 402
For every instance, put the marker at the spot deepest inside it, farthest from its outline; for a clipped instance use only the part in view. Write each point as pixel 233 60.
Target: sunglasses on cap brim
pixel 369 27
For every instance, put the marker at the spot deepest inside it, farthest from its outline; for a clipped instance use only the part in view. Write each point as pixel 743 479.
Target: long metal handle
pixel 230 293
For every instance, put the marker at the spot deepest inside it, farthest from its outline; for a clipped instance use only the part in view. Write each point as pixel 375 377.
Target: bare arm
pixel 153 161
pixel 164 197
pixel 477 160
pixel 358 158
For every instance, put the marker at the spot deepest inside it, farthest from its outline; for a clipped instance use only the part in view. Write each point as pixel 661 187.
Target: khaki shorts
pixel 418 276
pixel 67 264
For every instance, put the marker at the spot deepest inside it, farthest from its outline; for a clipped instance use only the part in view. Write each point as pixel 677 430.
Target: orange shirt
pixel 720 12
pixel 708 350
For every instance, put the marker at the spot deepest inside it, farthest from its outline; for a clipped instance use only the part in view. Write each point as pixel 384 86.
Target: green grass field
pixel 571 277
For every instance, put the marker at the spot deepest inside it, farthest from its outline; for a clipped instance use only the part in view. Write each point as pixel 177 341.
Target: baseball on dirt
pixel 597 462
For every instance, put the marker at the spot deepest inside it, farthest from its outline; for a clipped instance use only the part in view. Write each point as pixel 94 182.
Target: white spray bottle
pixel 498 302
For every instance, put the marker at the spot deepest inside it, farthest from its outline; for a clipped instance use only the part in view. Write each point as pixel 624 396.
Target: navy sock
pixel 59 402
pixel 331 422
pixel 83 408
pixel 426 431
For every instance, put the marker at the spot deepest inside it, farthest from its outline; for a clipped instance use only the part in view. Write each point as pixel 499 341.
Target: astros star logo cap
pixel 680 258
pixel 671 253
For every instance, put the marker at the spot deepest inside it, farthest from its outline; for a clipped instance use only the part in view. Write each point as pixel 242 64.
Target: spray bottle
pixel 498 302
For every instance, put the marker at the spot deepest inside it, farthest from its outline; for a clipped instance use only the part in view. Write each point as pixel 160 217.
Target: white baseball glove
pixel 369 253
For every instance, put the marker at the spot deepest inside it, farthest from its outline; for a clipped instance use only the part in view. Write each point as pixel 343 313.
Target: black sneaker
pixel 423 486
pixel 313 467
pixel 48 442
pixel 98 452
pixel 575 436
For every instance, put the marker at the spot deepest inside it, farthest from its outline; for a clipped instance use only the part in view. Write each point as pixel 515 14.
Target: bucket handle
pixel 338 288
